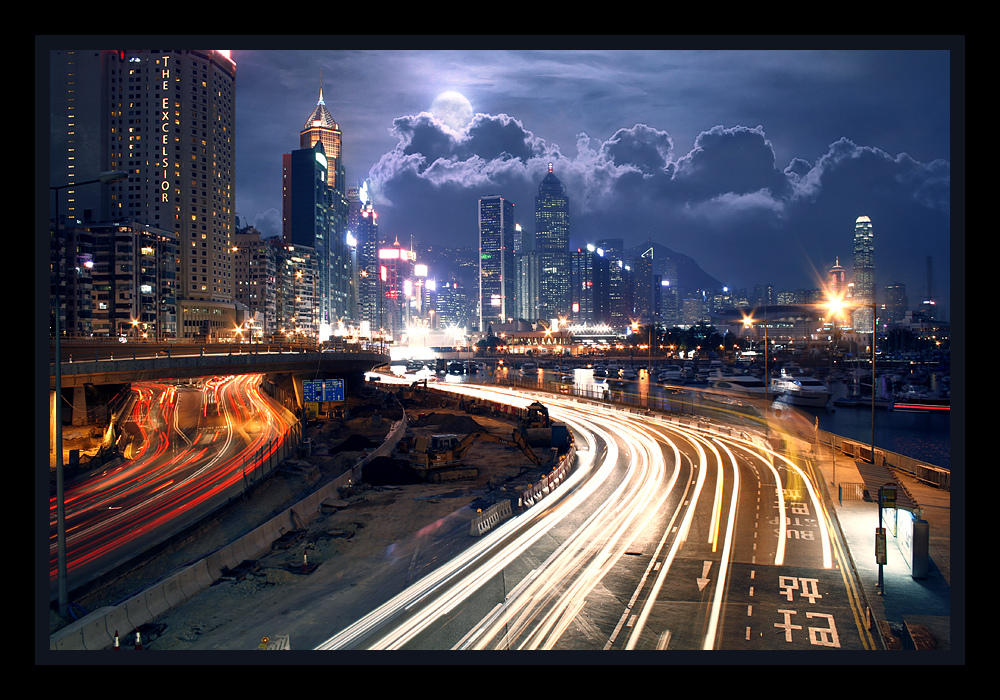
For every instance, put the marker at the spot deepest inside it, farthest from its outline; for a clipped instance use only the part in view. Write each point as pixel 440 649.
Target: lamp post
pixel 106 178
pixel 835 305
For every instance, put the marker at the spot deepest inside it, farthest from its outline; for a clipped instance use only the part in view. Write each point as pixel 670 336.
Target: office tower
pixel 864 273
pixel 297 312
pixel 645 292
pixel 528 273
pixel 552 244
pixel 396 276
pixel 306 205
pixel 589 278
pixel 320 127
pixel 837 280
pixel 496 260
pixel 896 303
pixel 170 120
pixel 364 225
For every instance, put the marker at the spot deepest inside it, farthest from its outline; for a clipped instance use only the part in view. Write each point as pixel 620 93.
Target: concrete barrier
pixel 156 601
pixel 96 630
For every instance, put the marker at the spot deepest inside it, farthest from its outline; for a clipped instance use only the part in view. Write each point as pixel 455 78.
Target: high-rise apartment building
pixel 172 115
pixel 864 273
pixel 552 244
pixel 254 265
pixel 496 260
pixel 167 118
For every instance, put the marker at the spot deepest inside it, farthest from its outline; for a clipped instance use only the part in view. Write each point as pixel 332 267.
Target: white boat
pixel 629 374
pixel 528 368
pixel 738 384
pixel 801 390
pixel 670 373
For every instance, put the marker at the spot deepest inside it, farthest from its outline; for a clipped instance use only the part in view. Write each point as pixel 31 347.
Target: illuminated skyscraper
pixel 496 261
pixel 320 126
pixel 364 225
pixel 552 244
pixel 864 273
pixel 168 119
pixel 838 280
pixel 332 250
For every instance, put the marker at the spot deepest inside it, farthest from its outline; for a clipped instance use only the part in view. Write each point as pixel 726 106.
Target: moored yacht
pixel 738 384
pixel 801 390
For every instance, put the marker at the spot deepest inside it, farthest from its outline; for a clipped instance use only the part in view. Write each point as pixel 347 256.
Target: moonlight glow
pixel 453 109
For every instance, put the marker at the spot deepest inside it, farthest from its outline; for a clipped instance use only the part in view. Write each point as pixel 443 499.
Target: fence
pixel 935 476
pixel 705 402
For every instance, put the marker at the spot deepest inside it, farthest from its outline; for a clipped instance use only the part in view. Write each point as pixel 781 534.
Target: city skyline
pixel 684 147
pixel 754 163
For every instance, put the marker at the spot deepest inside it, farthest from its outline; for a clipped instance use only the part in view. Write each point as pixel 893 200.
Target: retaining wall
pixel 97 630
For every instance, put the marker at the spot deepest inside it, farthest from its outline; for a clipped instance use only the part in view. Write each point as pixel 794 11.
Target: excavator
pixel 438 458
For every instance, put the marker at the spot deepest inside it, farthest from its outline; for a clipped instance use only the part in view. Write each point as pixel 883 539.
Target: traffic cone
pixel 138 641
pixel 116 647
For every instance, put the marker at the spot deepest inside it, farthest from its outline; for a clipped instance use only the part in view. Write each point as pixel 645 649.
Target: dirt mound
pixel 448 423
pixel 355 443
pixel 385 471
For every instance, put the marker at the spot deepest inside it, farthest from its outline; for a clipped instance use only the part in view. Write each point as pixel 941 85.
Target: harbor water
pixel 923 434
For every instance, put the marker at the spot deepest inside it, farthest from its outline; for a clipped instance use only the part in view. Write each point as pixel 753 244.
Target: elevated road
pixel 90 363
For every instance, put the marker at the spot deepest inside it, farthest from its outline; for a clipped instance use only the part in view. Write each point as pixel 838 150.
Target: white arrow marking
pixel 703 581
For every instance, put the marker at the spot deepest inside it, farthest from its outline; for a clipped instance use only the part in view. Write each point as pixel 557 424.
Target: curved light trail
pixel 638 478
pixel 172 476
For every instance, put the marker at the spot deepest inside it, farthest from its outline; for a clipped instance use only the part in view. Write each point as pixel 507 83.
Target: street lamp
pixel 106 178
pixel 836 306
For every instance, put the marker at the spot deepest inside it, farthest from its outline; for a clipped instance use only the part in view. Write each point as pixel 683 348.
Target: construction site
pixel 455 460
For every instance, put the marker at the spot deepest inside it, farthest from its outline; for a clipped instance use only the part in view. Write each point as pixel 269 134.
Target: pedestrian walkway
pixel 906 612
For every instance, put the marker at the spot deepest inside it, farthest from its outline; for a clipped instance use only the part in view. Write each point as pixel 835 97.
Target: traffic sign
pixel 323 389
pixel 880 557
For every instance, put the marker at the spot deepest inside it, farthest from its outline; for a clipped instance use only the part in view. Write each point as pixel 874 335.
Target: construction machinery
pixel 438 458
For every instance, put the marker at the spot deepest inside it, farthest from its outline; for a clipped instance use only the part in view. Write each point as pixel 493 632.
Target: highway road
pixel 666 537
pixel 190 448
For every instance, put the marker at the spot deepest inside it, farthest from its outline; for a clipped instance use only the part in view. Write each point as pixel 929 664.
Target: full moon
pixel 453 109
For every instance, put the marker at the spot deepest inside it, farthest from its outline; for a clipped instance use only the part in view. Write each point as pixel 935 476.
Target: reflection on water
pixel 923 435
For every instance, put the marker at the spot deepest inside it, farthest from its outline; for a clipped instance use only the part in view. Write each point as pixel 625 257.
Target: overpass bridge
pixel 99 362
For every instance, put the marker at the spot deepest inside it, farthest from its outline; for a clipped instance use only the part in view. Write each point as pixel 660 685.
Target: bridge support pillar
pixel 79 405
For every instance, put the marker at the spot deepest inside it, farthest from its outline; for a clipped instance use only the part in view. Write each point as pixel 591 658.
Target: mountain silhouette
pixel 678 268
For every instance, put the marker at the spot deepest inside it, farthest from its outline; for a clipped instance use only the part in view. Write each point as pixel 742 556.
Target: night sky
pixel 755 162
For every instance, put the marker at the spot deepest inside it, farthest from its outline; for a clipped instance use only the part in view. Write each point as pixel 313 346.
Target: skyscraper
pixel 167 117
pixel 496 260
pixel 364 225
pixel 320 127
pixel 838 284
pixel 552 244
pixel 171 126
pixel 307 206
pixel 864 273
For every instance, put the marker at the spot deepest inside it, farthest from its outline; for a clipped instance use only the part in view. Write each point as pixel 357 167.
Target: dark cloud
pixel 733 160
pixel 841 134
pixel 646 148
pixel 726 193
